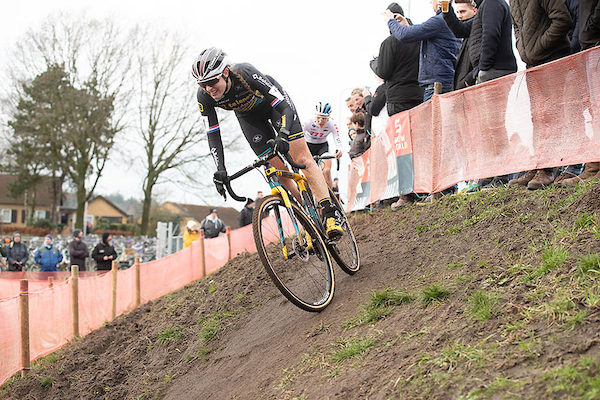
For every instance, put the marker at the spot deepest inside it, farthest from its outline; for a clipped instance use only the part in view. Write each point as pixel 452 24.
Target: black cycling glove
pixel 220 179
pixel 282 145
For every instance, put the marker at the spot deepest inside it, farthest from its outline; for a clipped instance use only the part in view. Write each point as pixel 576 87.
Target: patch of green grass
pixel 212 287
pixel 553 257
pixel 211 327
pixel 589 264
pixel 482 305
pixel 203 353
pixel 456 353
pixel 352 349
pixel 434 294
pixel 581 380
pixel 452 266
pixel 585 220
pixel 167 378
pixel 466 278
pixel 381 304
pixel 47 381
pixel 500 383
pixel 46 361
pixel 425 228
pixel 169 334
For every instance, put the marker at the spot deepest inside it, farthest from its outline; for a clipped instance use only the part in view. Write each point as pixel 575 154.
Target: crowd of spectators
pixel 470 44
pixel 14 253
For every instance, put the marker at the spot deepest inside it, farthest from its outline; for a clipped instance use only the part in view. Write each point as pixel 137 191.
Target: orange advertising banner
pixel 547 116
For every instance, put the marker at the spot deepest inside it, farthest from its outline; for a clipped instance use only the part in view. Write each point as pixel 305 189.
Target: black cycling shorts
pixel 318 149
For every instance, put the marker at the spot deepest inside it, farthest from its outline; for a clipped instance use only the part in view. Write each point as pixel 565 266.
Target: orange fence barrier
pixel 51 314
pixel 546 116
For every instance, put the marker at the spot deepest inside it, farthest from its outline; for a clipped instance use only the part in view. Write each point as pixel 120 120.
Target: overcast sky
pixel 317 50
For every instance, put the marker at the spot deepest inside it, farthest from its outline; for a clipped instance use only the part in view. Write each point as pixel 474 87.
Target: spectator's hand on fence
pixel 219 179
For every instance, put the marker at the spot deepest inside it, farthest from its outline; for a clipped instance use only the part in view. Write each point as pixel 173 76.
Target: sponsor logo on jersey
pixel 201 107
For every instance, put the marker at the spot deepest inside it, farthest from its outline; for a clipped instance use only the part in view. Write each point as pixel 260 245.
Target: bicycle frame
pixel 277 188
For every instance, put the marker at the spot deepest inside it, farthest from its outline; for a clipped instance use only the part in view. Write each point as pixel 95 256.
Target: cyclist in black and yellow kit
pixel 262 108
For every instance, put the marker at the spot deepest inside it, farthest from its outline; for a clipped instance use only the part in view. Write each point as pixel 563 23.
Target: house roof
pixel 111 204
pixel 43 194
pixel 228 215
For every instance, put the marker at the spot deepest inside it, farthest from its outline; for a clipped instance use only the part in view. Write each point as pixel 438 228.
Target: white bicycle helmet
pixel 323 109
pixel 209 64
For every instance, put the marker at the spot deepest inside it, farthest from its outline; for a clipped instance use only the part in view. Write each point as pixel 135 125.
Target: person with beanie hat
pixel 78 250
pixel 48 256
pixel 16 254
pixel 104 253
pixel 245 217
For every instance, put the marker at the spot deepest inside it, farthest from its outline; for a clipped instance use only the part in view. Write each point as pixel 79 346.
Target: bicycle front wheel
pixel 345 249
pixel 297 262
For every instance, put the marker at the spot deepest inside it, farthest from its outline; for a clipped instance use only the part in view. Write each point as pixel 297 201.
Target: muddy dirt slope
pixel 489 295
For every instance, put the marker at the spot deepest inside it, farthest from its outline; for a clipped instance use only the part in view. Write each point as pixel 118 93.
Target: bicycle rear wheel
pixel 299 265
pixel 344 250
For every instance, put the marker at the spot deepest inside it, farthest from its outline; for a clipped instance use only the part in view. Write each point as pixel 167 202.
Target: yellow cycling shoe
pixel 332 228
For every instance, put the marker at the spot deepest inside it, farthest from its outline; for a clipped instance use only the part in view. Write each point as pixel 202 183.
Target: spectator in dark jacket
pixel 439 48
pixel 541 28
pixel 78 250
pixel 362 140
pixel 104 253
pixel 589 23
pixel 573 35
pixel 16 254
pixel 463 73
pixel 398 65
pixel 48 256
pixel 490 39
pixel 589 36
pixel 245 217
pixel 212 225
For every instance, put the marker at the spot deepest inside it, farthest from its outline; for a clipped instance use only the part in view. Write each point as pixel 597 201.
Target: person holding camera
pixel 16 254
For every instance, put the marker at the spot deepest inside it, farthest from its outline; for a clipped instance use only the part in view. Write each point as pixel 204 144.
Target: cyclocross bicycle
pixel 291 240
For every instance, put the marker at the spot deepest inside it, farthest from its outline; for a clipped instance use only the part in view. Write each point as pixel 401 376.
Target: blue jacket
pixel 48 258
pixel 439 48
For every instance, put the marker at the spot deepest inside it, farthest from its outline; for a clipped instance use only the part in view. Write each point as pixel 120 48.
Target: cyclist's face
pixel 217 88
pixel 321 121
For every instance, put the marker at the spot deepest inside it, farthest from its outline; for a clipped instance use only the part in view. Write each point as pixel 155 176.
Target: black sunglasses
pixel 210 83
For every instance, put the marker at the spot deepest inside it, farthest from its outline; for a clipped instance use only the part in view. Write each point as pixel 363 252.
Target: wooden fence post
pixel 24 308
pixel 437 88
pixel 113 312
pixel 228 233
pixel 75 298
pixel 202 251
pixel 138 289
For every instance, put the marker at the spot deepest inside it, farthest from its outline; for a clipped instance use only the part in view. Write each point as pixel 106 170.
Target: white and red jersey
pixel 314 134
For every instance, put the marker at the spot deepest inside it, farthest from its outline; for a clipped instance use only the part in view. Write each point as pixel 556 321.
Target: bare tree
pixel 96 57
pixel 169 123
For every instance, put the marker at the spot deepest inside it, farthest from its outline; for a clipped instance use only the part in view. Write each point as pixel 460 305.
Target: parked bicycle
pixel 291 240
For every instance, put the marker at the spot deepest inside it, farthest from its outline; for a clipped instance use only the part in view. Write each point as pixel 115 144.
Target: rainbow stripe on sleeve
pixel 213 129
